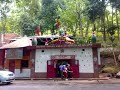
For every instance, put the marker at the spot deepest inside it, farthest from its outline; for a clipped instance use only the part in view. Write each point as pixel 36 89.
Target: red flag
pixel 38 30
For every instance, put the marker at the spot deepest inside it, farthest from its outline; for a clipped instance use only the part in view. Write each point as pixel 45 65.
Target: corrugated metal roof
pixel 9 36
pixel 22 42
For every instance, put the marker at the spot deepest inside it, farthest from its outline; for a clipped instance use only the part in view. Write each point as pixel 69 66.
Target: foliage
pixel 49 14
pixel 115 3
pixel 80 41
pixel 27 25
pixel 4 9
pixel 95 9
pixel 28 19
pixel 111 29
pixel 111 69
pixel 78 17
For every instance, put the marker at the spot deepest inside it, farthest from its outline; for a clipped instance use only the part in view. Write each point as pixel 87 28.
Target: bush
pixel 80 41
pixel 113 69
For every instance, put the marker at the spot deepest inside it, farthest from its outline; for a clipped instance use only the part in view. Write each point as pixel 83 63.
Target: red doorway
pixel 53 67
pixel 50 69
pixel 75 68
pixel 61 62
pixel 12 65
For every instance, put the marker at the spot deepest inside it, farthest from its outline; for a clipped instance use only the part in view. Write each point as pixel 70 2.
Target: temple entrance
pixel 53 70
pixel 58 63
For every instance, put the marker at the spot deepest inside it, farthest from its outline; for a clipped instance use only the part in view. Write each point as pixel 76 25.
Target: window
pixel 83 49
pixel 42 51
pixel 24 64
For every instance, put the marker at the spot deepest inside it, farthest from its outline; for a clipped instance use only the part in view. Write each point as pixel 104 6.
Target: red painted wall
pixel 2 58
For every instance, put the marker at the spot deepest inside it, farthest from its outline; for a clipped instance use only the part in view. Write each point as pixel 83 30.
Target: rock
pixel 118 75
pixel 119 57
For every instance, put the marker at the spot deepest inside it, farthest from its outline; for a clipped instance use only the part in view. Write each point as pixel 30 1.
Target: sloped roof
pixel 22 42
pixel 9 36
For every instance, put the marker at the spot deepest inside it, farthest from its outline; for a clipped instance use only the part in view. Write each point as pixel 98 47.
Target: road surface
pixel 57 85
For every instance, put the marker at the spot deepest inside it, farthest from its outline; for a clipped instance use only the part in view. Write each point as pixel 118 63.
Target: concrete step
pixel 61 79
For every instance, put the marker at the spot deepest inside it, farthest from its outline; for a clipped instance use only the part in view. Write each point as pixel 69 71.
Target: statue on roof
pixel 93 38
pixel 37 31
pixel 57 23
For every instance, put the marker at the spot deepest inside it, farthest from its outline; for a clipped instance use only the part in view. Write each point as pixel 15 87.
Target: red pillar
pixel 2 58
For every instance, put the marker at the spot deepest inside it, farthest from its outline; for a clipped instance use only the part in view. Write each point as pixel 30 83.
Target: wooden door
pixel 75 67
pixel 12 65
pixel 50 69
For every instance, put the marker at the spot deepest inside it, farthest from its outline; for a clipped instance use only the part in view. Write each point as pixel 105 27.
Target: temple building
pixel 40 57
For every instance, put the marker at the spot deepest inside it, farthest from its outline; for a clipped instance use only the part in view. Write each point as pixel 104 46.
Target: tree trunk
pixel 97 27
pixel 79 19
pixel 107 20
pixel 112 15
pixel 93 27
pixel 74 30
pixel 86 34
pixel 114 55
pixel 80 27
pixel 117 24
pixel 3 29
pixel 104 31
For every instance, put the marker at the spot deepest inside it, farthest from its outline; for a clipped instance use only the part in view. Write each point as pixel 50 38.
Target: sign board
pixel 14 53
pixel 63 57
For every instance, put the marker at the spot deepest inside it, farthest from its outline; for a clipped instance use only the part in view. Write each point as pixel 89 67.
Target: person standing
pixel 70 71
pixel 65 72
pixel 61 67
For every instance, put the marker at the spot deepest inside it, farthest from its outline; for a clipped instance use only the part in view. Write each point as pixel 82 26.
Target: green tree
pixel 111 31
pixel 116 5
pixel 4 10
pixel 96 10
pixel 72 17
pixel 29 17
pixel 49 14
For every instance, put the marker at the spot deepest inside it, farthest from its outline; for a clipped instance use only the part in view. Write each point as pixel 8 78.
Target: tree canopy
pixel 78 17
